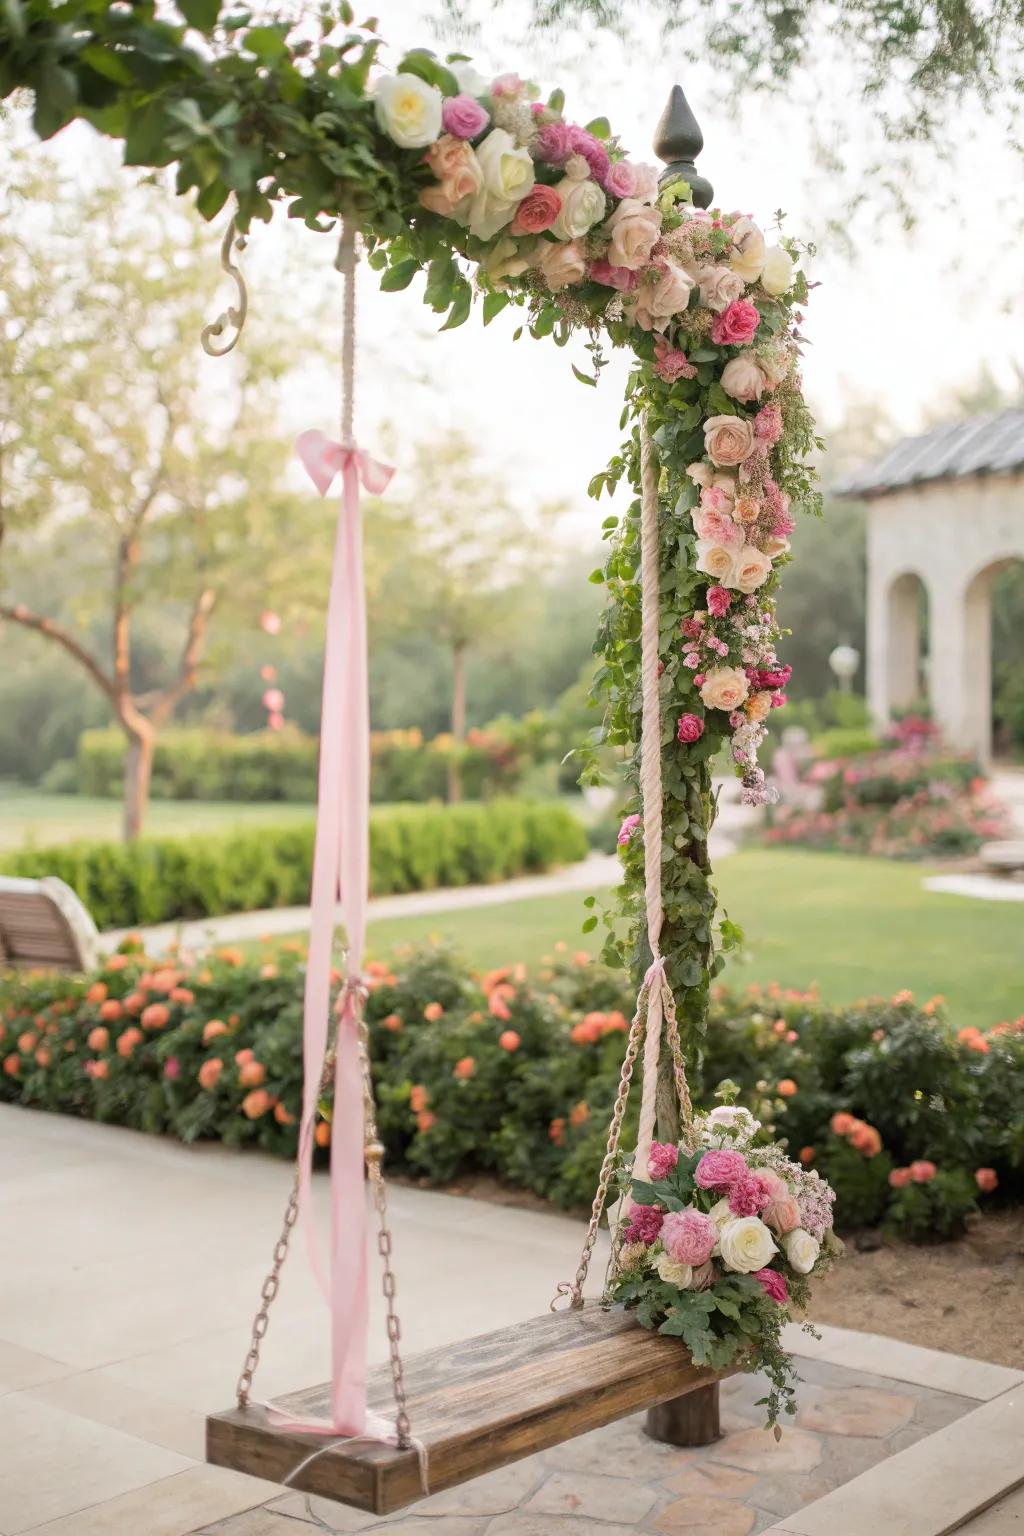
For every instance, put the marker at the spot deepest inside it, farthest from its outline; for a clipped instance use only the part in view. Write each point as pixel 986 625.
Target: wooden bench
pixel 44 925
pixel 475 1405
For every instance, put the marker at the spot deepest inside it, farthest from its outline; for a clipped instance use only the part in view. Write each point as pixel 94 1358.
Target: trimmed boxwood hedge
pixel 412 848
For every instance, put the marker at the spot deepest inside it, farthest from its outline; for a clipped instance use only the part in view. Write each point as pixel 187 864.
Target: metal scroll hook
pixel 233 318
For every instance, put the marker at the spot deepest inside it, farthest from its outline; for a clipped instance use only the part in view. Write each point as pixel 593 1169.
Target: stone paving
pixel 616 1481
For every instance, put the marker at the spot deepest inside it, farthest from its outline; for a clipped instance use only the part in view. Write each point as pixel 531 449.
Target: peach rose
pixel 655 304
pixel 715 559
pixel 562 264
pixel 742 378
pixel 782 1214
pixel 634 228
pixel 751 569
pixel 459 176
pixel 725 688
pixel 98 1039
pixel 758 706
pixel 728 440
pixel 747 509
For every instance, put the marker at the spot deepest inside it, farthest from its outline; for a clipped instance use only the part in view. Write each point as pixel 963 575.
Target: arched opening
pixel 907 649
pixel 993 662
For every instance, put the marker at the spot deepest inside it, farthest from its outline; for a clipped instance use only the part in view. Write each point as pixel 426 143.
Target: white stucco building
pixel 945 513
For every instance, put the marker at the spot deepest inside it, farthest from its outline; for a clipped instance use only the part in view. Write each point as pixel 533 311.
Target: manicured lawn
pixel 31 816
pixel 854 926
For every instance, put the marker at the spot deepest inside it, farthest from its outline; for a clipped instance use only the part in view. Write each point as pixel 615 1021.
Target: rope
pixel 346 265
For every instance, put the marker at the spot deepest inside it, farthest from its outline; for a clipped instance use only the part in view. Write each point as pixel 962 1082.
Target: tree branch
pixel 128 559
pixel 195 642
pixel 19 614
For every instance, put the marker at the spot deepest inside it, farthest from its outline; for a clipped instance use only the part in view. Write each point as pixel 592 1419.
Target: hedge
pixel 412 848
pixel 913 1123
pixel 198 764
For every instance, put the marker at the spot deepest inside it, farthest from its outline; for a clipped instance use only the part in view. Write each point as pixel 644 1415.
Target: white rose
pixel 735 1118
pixel 508 258
pixel 583 204
pixel 746 1244
pixel 777 273
pixel 721 1214
pixel 751 569
pixel 408 110
pixel 471 81
pixel 724 688
pixel 700 472
pixel 672 1272
pixel 507 176
pixel 801 1250
pixel 748 251
pixel 714 559
pixel 719 286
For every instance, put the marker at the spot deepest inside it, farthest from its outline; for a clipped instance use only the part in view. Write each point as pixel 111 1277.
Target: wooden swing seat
pixel 475 1405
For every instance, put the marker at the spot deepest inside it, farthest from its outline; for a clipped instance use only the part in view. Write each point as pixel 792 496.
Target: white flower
pixel 507 177
pixel 801 1250
pixel 408 110
pixel 583 205
pixel 751 569
pixel 471 81
pixel 746 1244
pixel 748 251
pixel 508 258
pixel 735 1118
pixel 721 1214
pixel 777 273
pixel 715 560
pixel 672 1272
pixel 700 472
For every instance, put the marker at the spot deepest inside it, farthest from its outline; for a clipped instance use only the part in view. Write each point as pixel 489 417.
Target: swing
pixel 464 1410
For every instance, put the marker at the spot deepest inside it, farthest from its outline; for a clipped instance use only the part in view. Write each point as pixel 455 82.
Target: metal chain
pixel 271 1285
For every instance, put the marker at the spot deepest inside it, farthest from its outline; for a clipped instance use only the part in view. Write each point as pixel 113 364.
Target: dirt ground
pixel 966 1297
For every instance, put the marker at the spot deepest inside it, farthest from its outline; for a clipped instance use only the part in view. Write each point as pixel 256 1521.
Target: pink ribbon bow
pixel 341 864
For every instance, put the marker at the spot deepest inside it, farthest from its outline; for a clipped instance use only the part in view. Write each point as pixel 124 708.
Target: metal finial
pixel 234 315
pixel 678 140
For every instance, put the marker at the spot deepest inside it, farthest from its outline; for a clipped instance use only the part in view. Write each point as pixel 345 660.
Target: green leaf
pixel 600 127
pixel 584 378
pixel 267 43
pixel 589 924
pixel 556 101
pixel 461 305
pixel 201 14
pixel 494 303
pixel 399 276
pixel 212 198
pixel 56 99
pixel 111 65
pixel 424 64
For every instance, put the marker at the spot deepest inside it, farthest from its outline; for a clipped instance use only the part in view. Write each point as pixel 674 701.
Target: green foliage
pixel 936 1211
pixel 412 848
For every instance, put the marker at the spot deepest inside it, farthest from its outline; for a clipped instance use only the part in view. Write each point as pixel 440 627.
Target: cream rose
pixel 751 569
pixel 748 250
pixel 508 258
pixel 719 287
pixel 633 227
pixel 583 203
pixel 459 176
pixel 672 1272
pixel 746 1245
pixel 742 378
pixel 506 177
pixel 721 1214
pixel 715 560
pixel 562 264
pixel 801 1250
pixel 700 473
pixel 724 688
pixel 655 304
pixel 408 110
pixel 777 273
pixel 728 440
pixel 775 545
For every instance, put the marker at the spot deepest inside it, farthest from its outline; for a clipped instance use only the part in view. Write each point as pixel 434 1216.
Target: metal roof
pixel 985 445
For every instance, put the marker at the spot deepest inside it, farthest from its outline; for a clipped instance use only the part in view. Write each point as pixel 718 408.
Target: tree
pixel 460 557
pixel 133 474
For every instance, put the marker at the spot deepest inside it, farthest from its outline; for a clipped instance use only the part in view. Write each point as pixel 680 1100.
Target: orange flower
pixel 43 1057
pixel 115 963
pixel 97 992
pixel 135 1002
pixel 509 1040
pixel 614 1023
pixel 579 1114
pixel 282 1116
pixel 987 1180
pixel 251 1074
pixel 164 981
pixel 978 1043
pixel 27 1042
pixel 241 1057
pixel 418 1099
pixel 392 1023
pixel 842 1123
pixel 127 1041
pixel 322 1134
pixel 492 979
pixel 922 1171
pixel 182 995
pixel 779 1026
pixel 464 1068
pixel 499 1008
pixel 432 1012
pixel 807 1155
pixel 256 1103
pixel 899 998
pixel 933 1004
pixel 556 1131
pixel 787 1088
pixel 212 1028
pixel 111 1010
pixel 269 971
pixel 98 1039
pixel 867 1140
pixel 899 1178
pixel 209 1072
pixel 581 958
pixel 155 1016
pixel 100 1069
pixel 231 956
pixel 969 1033
pixel 425 1121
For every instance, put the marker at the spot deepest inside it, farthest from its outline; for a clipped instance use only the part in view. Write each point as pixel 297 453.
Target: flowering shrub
pixel 515 1075
pixel 721 1244
pixel 412 848
pixel 907 803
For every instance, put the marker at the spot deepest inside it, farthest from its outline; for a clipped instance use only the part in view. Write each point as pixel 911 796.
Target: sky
pixel 900 325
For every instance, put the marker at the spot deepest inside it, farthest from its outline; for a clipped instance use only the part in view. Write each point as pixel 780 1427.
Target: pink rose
pixel 718 600
pixel 463 117
pixel 644 1224
pixel 562 263
pixel 716 498
pixel 782 1214
pixel 553 143
pixel 634 228
pixel 736 325
pixel 922 1171
pixel 718 528
pixel 593 152
pixel 627 829
pixel 656 303
pixel 507 87
pixel 720 1169
pixel 747 1196
pixel 689 1237
pixel 719 287
pixel 768 425
pixel 773 1284
pixel 646 183
pixel 538 211
pixel 670 363
pixel 620 181
pixel 689 728
pixel 662 1158
pixel 613 277
pixel 728 440
pixel 743 380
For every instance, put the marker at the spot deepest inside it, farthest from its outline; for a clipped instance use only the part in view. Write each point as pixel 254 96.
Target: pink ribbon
pixel 341 865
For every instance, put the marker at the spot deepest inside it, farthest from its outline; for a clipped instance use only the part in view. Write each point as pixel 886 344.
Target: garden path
pixel 125 1314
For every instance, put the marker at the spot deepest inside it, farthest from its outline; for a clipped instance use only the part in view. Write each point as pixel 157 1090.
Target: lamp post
pixel 844 661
